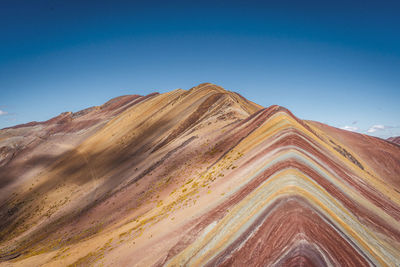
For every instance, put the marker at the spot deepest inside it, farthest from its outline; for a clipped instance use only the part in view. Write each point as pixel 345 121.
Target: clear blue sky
pixel 337 62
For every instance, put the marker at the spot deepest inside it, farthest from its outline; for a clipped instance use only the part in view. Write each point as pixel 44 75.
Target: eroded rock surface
pixel 199 177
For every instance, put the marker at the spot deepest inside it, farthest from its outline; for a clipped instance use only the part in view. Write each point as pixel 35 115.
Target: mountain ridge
pixel 394 139
pixel 200 177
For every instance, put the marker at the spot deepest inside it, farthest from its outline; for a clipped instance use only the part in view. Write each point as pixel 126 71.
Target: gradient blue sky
pixel 337 62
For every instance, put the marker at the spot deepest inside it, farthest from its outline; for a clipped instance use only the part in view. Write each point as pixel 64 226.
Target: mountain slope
pixel 204 177
pixel 395 139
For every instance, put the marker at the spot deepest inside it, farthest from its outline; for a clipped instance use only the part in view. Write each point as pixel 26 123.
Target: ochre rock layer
pixel 199 177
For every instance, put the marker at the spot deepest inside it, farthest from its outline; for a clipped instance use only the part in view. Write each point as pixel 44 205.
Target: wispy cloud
pixel 384 131
pixel 2 112
pixel 377 127
pixel 349 128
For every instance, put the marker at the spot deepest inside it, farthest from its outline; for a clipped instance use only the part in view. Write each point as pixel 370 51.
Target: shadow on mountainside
pixel 79 168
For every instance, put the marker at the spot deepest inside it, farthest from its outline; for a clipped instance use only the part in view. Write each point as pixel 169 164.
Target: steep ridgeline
pixel 201 177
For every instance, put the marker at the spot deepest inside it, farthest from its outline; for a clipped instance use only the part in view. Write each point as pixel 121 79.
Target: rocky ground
pixel 196 177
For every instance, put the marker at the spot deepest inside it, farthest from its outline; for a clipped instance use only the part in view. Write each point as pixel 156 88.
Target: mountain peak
pixel 208 87
pixel 196 177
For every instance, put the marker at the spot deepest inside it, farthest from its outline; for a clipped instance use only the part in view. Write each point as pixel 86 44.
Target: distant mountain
pixel 395 139
pixel 192 178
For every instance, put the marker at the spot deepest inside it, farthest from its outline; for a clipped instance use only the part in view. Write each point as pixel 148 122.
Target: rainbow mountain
pixel 199 177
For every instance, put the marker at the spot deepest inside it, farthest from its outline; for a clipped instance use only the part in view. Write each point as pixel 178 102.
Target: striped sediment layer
pixel 205 177
pixel 298 202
